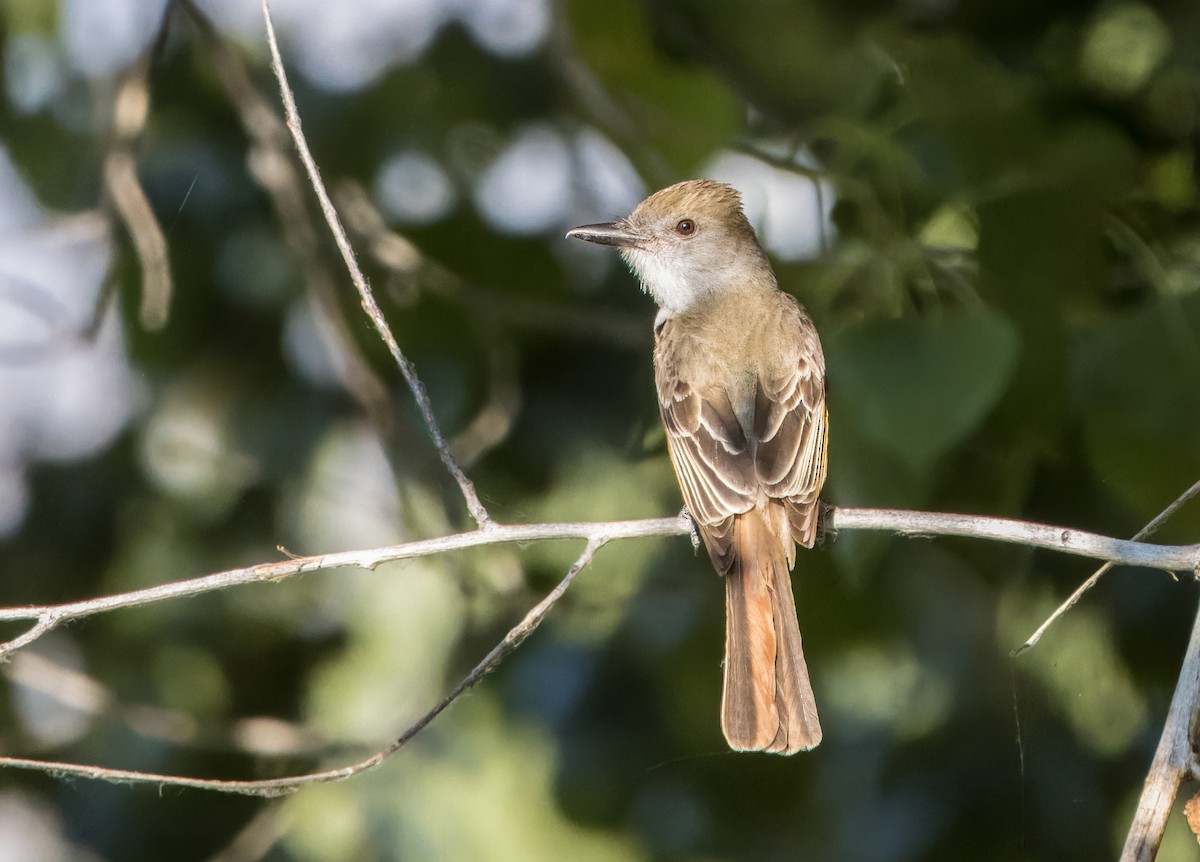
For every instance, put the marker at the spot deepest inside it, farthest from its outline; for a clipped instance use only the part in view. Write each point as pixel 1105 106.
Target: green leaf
pixel 1136 382
pixel 915 388
pixel 1125 45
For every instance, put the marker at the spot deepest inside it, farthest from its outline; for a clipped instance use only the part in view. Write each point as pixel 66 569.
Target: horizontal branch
pixel 364 559
pixel 904 522
pixel 47 617
pixel 1122 552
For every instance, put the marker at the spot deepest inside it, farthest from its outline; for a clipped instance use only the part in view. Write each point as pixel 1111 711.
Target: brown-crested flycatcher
pixel 741 388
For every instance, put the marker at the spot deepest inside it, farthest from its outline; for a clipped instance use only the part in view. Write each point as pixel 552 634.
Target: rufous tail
pixel 768 702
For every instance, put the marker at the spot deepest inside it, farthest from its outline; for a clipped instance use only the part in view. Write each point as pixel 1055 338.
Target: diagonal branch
pixel 366 297
pixel 130 107
pixel 271 165
pixel 396 254
pixel 1174 760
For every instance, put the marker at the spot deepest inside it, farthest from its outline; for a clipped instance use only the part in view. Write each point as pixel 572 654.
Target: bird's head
pixel 686 242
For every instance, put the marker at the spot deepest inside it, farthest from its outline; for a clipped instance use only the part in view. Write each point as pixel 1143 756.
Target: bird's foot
pixel 687 516
pixel 826 532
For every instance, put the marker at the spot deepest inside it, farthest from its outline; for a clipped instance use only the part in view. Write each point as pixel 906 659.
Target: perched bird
pixel 741 389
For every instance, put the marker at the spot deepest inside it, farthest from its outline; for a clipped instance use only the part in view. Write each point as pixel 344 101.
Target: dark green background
pixel 1012 322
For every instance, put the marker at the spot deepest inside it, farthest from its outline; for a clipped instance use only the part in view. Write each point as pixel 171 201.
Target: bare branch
pixel 786 162
pixel 46 623
pixel 904 522
pixel 1185 557
pixel 1148 530
pixel 282 786
pixel 602 531
pixel 1174 558
pixel 1174 760
pixel 130 107
pixel 272 167
pixel 366 297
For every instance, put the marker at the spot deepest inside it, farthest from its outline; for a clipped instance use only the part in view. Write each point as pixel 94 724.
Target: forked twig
pixel 282 786
pixel 1073 599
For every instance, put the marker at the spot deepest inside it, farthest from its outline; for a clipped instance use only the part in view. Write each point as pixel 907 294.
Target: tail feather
pixel 768 703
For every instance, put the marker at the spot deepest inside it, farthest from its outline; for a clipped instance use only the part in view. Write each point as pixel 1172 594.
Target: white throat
pixel 675 288
pixel 677 281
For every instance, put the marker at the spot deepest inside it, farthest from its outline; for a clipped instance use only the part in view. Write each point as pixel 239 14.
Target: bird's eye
pixel 686 227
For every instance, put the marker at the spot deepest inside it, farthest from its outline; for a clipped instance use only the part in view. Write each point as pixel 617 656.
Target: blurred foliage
pixel 1009 303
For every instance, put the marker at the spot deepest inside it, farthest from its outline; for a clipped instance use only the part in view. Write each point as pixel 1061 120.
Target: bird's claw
pixel 826 532
pixel 687 516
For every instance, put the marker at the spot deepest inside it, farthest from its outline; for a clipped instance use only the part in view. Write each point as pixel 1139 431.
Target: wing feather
pixel 727 465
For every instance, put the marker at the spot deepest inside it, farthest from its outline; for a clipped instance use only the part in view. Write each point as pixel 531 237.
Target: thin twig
pixel 785 163
pixel 273 168
pixel 1174 760
pixel 395 253
pixel 47 622
pixel 366 297
pixel 1148 530
pixel 282 786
